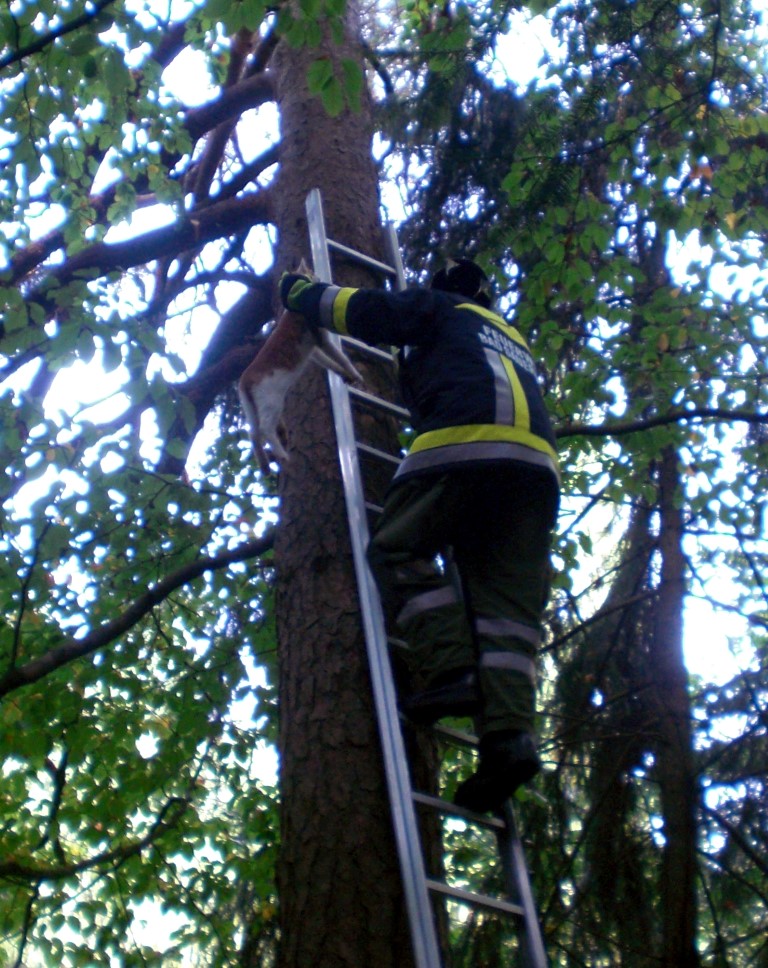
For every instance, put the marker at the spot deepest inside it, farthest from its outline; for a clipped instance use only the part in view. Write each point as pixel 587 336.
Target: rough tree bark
pixel 674 750
pixel 338 877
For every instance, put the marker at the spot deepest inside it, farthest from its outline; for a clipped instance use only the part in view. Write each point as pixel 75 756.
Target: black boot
pixel 454 693
pixel 507 760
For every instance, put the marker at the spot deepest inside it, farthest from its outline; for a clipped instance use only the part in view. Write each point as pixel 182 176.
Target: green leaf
pixel 319 75
pixel 82 42
pixel 353 83
pixel 332 96
pixel 219 10
pixel 253 14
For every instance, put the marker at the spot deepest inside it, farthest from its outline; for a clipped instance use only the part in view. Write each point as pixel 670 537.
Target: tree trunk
pixel 675 763
pixel 339 884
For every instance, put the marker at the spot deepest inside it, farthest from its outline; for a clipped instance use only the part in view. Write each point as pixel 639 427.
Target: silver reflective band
pixel 326 306
pixel 510 662
pixel 505 401
pixel 446 455
pixel 436 598
pixel 507 627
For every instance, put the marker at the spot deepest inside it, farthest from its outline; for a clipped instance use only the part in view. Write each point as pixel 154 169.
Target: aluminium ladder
pixel 418 886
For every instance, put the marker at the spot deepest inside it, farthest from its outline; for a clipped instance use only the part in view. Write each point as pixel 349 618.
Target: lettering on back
pixel 494 339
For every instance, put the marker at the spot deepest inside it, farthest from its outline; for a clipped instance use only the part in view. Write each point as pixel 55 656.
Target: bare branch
pixel 72 649
pixel 605 612
pixel 738 838
pixel 17 870
pixel 45 39
pixel 620 428
pixel 230 104
pixel 205 224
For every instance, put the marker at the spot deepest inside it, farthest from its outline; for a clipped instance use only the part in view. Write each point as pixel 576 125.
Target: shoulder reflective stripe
pixel 504 390
pixel 427 601
pixel 510 662
pixel 498 321
pixel 340 310
pixel 522 410
pixel 508 628
pixel 326 306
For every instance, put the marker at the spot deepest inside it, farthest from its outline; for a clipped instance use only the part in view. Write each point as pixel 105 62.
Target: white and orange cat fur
pixel 265 383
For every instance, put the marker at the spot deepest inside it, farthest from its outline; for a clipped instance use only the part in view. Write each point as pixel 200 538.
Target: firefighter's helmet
pixel 465 278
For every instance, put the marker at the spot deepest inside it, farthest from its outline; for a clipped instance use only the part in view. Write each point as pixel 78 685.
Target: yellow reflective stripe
pixel 340 310
pixel 481 433
pixel 496 320
pixel 522 411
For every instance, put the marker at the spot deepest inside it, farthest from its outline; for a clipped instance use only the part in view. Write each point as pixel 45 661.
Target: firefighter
pixel 479 488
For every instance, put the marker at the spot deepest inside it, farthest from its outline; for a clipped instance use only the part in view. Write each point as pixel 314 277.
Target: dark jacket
pixel 467 376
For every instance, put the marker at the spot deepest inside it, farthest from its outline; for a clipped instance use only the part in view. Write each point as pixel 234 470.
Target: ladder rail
pixel 420 917
pixel 416 883
pixel 516 870
pixel 423 934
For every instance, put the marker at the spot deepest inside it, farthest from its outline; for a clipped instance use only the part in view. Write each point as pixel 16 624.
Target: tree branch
pixel 230 104
pixel 620 428
pixel 603 613
pixel 737 837
pixel 35 253
pixel 205 224
pixel 15 869
pixel 72 649
pixel 45 39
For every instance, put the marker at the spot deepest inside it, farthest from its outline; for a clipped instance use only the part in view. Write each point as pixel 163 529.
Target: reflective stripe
pixel 443 455
pixel 510 662
pixel 505 399
pixel 481 433
pixel 326 306
pixel 507 627
pixel 340 310
pixel 435 598
pixel 333 308
pixel 522 419
pixel 498 321
pixel 498 335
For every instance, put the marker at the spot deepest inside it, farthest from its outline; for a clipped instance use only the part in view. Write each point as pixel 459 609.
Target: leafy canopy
pixel 619 202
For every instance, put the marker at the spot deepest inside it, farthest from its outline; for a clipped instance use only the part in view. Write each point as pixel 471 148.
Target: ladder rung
pixel 365 349
pixel 379 454
pixel 443 806
pixel 397 643
pixel 456 736
pixel 377 403
pixel 362 259
pixel 477 900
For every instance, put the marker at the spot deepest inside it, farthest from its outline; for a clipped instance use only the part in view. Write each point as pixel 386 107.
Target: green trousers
pixel 495 525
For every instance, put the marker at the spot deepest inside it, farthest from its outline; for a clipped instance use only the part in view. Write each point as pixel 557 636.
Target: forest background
pixel 171 621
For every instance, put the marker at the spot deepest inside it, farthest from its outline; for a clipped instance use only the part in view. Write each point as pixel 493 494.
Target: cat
pixel 264 384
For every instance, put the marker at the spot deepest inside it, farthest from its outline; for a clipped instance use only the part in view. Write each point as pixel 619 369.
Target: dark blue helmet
pixel 465 278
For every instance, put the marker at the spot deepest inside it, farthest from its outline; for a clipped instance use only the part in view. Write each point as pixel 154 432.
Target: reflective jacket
pixel 467 376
